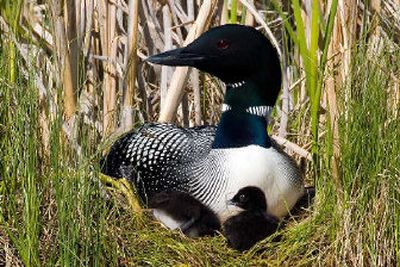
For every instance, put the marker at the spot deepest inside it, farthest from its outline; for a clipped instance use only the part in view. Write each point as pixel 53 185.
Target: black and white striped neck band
pixel 236 84
pixel 262 111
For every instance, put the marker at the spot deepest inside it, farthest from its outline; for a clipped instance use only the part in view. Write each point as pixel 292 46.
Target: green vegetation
pixel 314 67
pixel 54 211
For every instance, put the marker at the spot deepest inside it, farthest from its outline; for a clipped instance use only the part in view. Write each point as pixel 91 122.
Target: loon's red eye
pixel 223 44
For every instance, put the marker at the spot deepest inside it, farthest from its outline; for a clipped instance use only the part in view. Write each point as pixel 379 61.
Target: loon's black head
pixel 250 198
pixel 233 53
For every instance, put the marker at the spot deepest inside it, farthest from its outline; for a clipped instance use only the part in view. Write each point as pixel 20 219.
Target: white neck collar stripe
pixel 225 107
pixel 262 111
pixel 236 84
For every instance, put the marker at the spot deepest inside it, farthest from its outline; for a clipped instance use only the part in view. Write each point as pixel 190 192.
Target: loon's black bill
pixel 176 57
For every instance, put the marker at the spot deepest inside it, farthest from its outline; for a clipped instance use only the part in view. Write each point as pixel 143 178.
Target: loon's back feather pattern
pixel 155 156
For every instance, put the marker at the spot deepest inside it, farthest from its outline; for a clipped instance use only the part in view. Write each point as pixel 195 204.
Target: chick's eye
pixel 223 44
pixel 242 198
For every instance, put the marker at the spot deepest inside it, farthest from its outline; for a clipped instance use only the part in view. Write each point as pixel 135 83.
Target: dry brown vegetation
pixel 85 61
pixel 94 50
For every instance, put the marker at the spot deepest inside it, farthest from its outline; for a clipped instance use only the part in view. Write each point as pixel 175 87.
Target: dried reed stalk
pixel 292 147
pixel 94 33
pixel 249 19
pixel 165 70
pixel 127 109
pixel 195 77
pixel 175 90
pixel 107 13
pixel 64 61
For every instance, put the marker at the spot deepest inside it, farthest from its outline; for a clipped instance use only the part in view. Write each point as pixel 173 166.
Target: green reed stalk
pixel 233 11
pixel 11 11
pixel 313 66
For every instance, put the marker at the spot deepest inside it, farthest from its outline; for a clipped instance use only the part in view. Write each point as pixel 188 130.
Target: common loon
pixel 251 225
pixel 209 162
pixel 188 214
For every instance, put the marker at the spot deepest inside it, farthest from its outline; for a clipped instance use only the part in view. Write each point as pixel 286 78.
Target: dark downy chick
pixel 251 225
pixel 185 212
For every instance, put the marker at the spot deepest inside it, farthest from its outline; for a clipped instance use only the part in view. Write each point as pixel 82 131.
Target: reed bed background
pixel 72 79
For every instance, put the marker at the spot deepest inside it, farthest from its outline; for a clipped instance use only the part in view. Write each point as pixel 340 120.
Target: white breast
pixel 225 171
pixel 265 168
